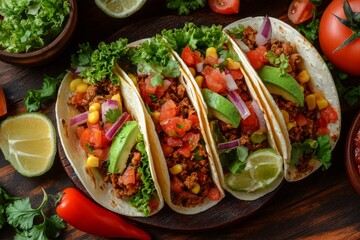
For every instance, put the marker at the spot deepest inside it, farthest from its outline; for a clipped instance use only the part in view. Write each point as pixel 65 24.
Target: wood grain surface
pixel 322 206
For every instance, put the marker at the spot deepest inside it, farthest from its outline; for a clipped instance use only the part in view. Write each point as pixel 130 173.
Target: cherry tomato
pixel 225 6
pixel 332 33
pixel 300 10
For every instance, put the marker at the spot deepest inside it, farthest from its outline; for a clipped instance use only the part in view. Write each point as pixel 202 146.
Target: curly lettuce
pixel 27 25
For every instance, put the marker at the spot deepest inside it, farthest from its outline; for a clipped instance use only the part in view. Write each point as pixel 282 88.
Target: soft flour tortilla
pixel 91 178
pixel 204 114
pixel 320 77
pixel 159 158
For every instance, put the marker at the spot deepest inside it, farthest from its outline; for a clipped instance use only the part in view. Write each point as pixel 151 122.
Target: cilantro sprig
pixel 185 7
pixel 28 222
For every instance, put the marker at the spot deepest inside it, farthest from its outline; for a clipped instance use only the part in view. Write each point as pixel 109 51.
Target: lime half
pixel 28 142
pixel 262 168
pixel 120 8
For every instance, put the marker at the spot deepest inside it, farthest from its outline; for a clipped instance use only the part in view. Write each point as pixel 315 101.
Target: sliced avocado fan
pixel 282 84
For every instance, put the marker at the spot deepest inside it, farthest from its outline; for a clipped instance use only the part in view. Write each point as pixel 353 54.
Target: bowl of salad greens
pixel 34 32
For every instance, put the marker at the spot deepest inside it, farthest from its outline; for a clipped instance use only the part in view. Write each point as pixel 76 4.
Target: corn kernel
pixel 156 116
pixel 118 99
pixel 93 117
pixel 301 88
pixel 133 78
pixel 92 161
pixel 74 83
pixel 321 103
pixel 82 87
pixel 303 76
pixel 285 115
pixel 192 70
pixel 199 80
pixel 176 169
pixel 211 52
pixel 233 65
pixel 290 125
pixel 195 189
pixel 94 107
pixel 310 101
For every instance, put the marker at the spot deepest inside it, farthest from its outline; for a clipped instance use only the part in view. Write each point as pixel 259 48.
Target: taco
pixel 103 132
pixel 246 154
pixel 183 159
pixel 298 86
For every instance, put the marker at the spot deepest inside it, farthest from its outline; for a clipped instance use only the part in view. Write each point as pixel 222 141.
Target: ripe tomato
pixel 300 10
pixel 214 79
pixel 251 123
pixel 332 33
pixel 168 110
pixel 257 57
pixel 176 126
pixel 189 57
pixel 225 6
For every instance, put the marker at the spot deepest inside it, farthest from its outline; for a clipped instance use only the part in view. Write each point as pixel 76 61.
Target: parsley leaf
pixel 34 98
pixel 20 214
pixel 184 7
pixel 112 115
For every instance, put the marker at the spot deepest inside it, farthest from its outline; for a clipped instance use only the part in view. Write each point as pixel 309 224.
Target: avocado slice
pixel 121 146
pixel 221 108
pixel 282 84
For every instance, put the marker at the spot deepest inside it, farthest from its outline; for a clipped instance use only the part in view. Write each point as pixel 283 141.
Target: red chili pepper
pixel 85 215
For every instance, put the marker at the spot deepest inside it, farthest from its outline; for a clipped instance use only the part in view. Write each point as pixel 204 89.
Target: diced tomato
pixel 321 123
pixel 101 153
pixel 214 194
pixel 329 114
pixel 210 61
pixel 168 110
pixel 153 203
pixel 173 141
pixel 129 175
pixel 257 57
pixel 191 58
pixel 176 126
pixel 80 130
pixel 185 150
pixel 92 126
pixel 236 74
pixel 167 150
pixel 322 127
pixel 150 89
pixel 195 120
pixel 176 185
pixel 85 139
pixel 144 95
pixel 301 120
pixel 161 89
pixel 192 139
pixel 251 123
pixel 77 98
pixel 214 79
pixel 98 139
pixel 107 126
pixel 323 131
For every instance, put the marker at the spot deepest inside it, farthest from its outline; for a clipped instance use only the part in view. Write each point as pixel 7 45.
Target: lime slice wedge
pixel 28 142
pixel 262 168
pixel 119 8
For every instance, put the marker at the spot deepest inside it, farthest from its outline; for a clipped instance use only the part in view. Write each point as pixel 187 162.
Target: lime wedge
pixel 28 142
pixel 120 8
pixel 262 168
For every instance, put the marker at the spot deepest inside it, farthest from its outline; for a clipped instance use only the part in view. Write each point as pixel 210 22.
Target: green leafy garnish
pixel 34 98
pixel 30 25
pixel 184 7
pixel 310 30
pixel 323 152
pixel 29 223
pixel 281 62
pixel 235 159
pixel 112 115
pixel 237 31
pixel 97 65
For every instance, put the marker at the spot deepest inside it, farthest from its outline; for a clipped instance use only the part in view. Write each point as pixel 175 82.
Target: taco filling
pixel 176 123
pixel 306 111
pixel 109 136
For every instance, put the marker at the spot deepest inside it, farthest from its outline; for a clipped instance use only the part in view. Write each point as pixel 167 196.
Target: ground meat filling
pixel 100 93
pixel 296 133
pixel 195 166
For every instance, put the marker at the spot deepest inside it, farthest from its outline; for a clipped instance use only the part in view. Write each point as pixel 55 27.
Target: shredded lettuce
pixel 141 200
pixel 31 24
pixel 97 65
pixel 320 149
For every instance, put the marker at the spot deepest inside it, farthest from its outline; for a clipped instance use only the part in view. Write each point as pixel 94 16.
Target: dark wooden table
pixel 323 206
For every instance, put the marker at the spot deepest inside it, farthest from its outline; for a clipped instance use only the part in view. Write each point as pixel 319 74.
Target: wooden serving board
pixel 227 211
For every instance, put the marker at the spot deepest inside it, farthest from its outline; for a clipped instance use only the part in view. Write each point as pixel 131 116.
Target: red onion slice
pixel 230 83
pixel 199 66
pixel 242 45
pixel 106 106
pixel 264 34
pixel 239 104
pixel 79 119
pixel 259 114
pixel 229 145
pixel 116 126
